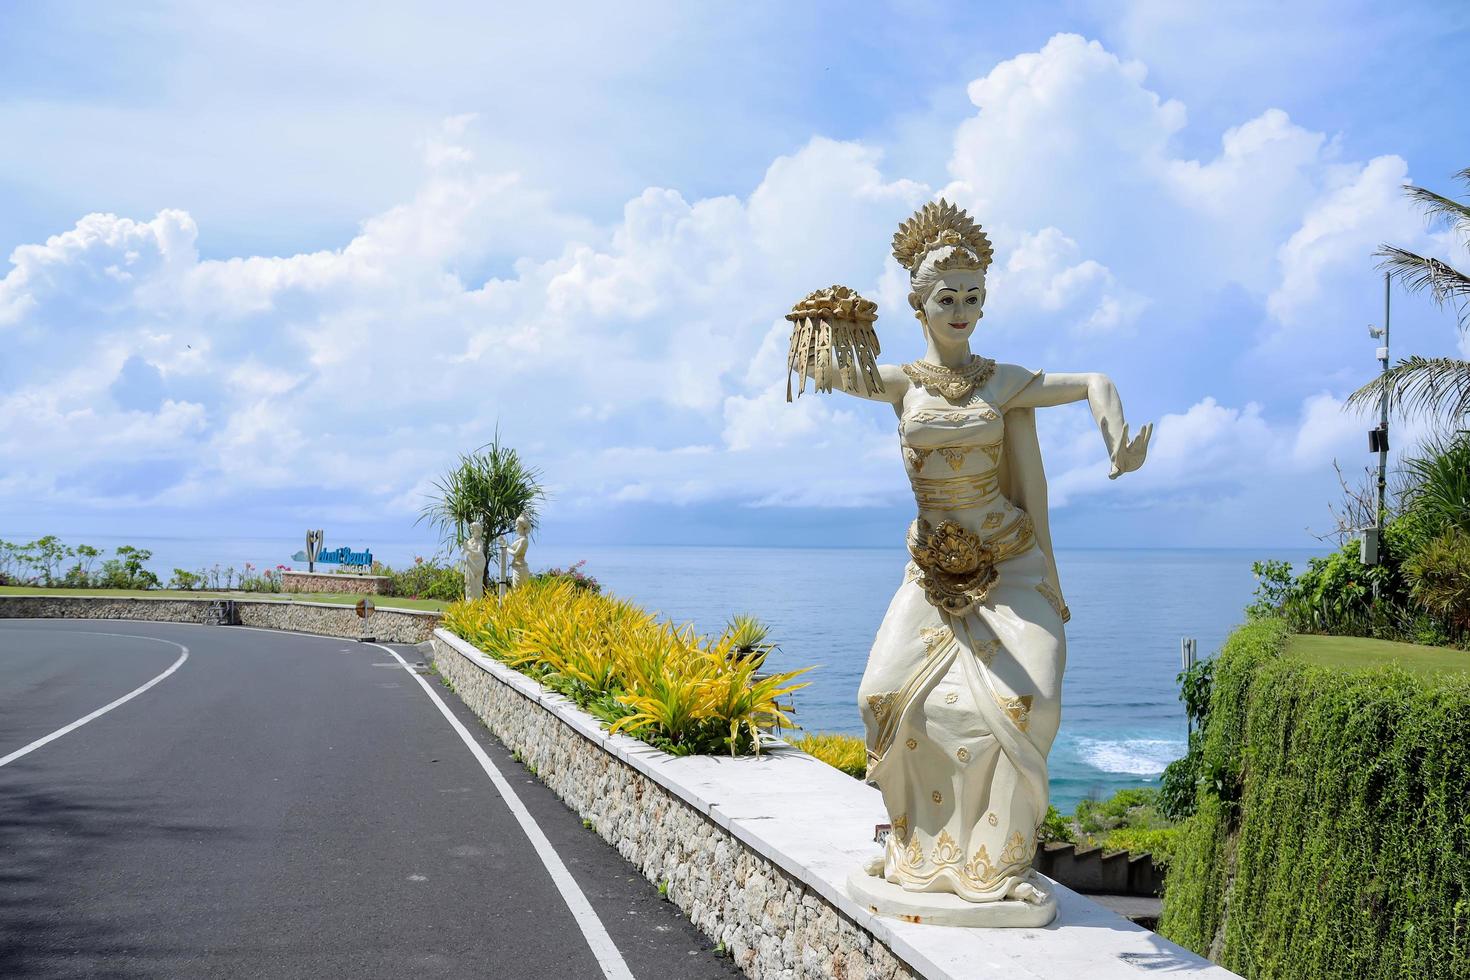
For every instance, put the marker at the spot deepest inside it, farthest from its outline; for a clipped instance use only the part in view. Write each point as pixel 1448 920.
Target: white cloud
pixel 643 358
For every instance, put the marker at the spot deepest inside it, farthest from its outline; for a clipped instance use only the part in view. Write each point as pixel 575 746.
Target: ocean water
pixel 1122 721
pixel 1121 718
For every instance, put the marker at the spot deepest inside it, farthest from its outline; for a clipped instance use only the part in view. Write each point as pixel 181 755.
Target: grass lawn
pixel 382 601
pixel 1354 652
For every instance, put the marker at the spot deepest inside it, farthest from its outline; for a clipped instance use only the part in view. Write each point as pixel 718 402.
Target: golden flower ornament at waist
pixel 957 568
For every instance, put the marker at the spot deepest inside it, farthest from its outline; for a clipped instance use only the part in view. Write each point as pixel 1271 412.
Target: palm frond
pixel 1416 273
pixel 1437 207
pixel 1421 385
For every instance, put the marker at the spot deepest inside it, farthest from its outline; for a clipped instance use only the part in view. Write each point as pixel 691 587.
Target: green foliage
pixel 1332 832
pixel 1335 595
pixel 846 752
pixel 573 575
pixel 1055 827
pixel 1439 577
pixel 265 580
pixel 127 570
pixel 1273 588
pixel 41 562
pixel 185 580
pixel 79 575
pixel 1180 781
pixel 1138 808
pixel 424 579
pixel 492 485
pixel 1438 495
pixel 1339 595
pixel 1161 843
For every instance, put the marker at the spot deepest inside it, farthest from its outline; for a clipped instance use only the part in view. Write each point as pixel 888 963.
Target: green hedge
pixel 1332 836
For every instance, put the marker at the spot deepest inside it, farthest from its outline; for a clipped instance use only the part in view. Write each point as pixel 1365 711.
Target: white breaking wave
pixel 1135 756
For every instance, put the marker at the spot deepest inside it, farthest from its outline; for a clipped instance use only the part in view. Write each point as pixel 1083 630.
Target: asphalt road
pixel 283 805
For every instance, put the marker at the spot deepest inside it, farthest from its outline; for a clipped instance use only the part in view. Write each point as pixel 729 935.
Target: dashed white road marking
pixel 183 655
pixel 608 957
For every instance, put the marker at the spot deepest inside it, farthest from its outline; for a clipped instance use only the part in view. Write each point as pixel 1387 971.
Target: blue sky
pixel 271 266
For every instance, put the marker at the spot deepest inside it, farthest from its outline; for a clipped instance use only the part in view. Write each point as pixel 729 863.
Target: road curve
pixel 283 805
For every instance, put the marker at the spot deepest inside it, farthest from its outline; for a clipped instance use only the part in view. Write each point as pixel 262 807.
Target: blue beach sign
pixel 341 556
pixel 346 556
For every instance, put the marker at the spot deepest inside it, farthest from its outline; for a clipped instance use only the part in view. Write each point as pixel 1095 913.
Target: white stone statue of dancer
pixel 961 698
pixel 520 572
pixel 474 562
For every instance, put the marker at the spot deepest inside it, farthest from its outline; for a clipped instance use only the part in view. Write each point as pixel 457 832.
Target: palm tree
pixel 491 485
pixel 1437 386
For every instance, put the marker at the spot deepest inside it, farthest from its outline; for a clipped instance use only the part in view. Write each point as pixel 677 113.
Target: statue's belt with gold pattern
pixel 957 567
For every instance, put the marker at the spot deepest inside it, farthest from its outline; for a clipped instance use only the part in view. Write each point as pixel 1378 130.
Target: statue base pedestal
pixel 882 897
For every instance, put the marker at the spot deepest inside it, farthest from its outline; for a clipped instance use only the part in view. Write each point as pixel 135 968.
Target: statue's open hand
pixel 1130 453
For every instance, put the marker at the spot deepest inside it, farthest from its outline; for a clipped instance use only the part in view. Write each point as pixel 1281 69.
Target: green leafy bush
pixel 1055 827
pixel 185 580
pixel 1180 782
pixel 1160 843
pixel 1332 833
pixel 127 570
pixel 1137 809
pixel 424 579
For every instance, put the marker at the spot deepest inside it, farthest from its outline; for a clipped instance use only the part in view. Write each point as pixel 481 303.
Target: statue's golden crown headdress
pixel 935 226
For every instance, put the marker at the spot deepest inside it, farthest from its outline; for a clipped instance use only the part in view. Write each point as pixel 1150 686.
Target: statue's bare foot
pixel 874 866
pixel 1027 892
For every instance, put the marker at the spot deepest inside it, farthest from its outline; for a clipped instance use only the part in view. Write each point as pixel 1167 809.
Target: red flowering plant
pixel 573 574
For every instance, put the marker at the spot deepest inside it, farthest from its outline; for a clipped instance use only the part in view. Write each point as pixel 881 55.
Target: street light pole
pixel 1378 442
pixel 1383 410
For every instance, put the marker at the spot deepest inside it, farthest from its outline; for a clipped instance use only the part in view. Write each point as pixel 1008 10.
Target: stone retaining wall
pixel 771 924
pixel 334 582
pixel 388 625
pixel 756 851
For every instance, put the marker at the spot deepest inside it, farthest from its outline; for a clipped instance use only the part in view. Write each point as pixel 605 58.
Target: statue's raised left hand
pixel 1130 453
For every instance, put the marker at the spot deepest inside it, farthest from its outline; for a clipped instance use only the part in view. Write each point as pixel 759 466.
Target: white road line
pixel 184 655
pixel 608 957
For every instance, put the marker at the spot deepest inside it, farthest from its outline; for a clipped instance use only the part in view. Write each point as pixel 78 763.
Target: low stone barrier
pixel 334 582
pixel 1093 870
pixel 757 850
pixel 388 625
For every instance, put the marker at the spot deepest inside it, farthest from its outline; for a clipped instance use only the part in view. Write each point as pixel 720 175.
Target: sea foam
pixel 1135 756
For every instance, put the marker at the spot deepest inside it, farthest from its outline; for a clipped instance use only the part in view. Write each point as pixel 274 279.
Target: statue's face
pixel 954 304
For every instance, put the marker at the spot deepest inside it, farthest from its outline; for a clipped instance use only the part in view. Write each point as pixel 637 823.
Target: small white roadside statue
pixel 520 572
pixel 474 563
pixel 961 698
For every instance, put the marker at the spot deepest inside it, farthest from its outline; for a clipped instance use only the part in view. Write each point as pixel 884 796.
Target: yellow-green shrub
pixel 656 681
pixel 846 752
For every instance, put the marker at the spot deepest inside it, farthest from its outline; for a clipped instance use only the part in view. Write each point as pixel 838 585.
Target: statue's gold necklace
pixel 953 385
